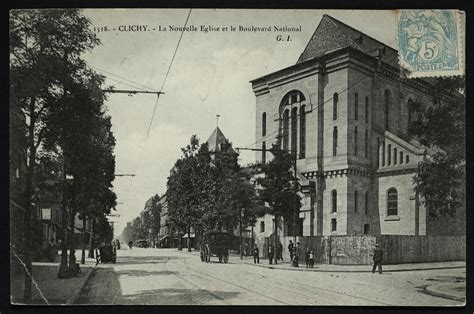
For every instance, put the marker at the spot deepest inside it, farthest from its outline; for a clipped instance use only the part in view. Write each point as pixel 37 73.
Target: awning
pixel 186 236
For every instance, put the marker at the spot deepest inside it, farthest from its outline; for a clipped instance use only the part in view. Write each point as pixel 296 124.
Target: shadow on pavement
pixel 145 259
pixel 177 297
pixel 141 273
pixel 104 287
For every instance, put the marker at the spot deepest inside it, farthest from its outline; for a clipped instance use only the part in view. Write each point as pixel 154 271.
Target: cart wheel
pixel 226 258
pixel 202 256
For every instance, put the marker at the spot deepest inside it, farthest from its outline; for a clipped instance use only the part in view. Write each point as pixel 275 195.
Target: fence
pixel 358 250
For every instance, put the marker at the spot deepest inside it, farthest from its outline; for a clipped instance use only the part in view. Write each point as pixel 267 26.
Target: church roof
pixel 332 34
pixel 215 140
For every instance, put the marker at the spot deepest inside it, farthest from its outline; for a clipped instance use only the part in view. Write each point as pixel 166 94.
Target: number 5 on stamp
pixel 431 42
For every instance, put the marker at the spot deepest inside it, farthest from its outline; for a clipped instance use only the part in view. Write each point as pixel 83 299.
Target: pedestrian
pixel 271 251
pixel 290 250
pixel 256 258
pixel 378 258
pixel 246 249
pixel 311 259
pixel 130 244
pixel 296 254
pixel 52 250
pixel 280 251
pixel 306 258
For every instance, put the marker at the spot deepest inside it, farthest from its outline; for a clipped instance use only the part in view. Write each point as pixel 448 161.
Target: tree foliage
pixel 440 126
pixel 61 100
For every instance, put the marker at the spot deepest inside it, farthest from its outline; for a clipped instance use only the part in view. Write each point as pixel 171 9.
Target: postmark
pixel 430 42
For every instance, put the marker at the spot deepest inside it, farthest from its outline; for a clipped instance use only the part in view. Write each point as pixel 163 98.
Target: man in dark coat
pixel 378 258
pixel 256 258
pixel 290 250
pixel 271 252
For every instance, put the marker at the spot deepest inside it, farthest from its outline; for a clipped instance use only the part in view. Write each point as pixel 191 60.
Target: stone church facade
pixel 345 111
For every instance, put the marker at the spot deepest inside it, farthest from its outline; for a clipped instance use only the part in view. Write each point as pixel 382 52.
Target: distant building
pixel 345 112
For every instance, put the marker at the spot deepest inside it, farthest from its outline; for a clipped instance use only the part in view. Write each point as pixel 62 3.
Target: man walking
pixel 271 251
pixel 280 251
pixel 378 258
pixel 256 258
pixel 290 250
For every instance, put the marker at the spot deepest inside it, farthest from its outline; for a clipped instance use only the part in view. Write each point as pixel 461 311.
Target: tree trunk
pixel 189 239
pixel 91 247
pixel 83 240
pixel 180 247
pixel 63 269
pixel 29 191
pixel 275 246
pixel 72 255
pixel 240 235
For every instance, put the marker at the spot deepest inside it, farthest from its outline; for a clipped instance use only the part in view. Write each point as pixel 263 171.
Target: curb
pixel 435 293
pixel 352 271
pixel 343 270
pixel 77 293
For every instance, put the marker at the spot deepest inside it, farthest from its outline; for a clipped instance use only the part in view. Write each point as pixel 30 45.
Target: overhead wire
pixel 124 78
pixel 157 97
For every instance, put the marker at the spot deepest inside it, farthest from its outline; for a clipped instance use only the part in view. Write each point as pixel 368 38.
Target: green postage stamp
pixel 431 42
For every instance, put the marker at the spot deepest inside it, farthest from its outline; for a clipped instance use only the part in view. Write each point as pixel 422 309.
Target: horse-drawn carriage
pixel 215 244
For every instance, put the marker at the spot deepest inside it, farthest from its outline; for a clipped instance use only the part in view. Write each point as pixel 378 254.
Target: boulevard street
pixel 170 277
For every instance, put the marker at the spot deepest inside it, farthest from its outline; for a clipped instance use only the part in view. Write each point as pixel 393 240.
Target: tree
pixel 441 127
pixel 278 189
pixel 240 205
pixel 45 51
pixel 184 191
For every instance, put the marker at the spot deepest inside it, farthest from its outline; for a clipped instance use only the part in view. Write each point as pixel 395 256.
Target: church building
pixel 345 111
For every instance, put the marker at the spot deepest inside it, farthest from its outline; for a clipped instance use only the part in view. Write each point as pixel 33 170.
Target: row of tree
pixel 66 127
pixel 209 190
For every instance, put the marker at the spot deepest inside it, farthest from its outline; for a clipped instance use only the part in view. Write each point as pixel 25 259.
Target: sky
pixel 210 75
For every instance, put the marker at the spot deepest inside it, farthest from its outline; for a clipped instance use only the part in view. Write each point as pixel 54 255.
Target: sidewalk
pixel 54 290
pixel 341 268
pixel 355 268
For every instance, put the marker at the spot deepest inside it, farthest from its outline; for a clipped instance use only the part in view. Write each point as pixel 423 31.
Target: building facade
pixel 345 111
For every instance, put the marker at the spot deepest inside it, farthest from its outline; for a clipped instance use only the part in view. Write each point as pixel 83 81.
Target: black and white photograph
pixel 237 157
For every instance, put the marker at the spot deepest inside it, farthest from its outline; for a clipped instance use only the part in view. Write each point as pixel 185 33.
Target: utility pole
pixel 295 187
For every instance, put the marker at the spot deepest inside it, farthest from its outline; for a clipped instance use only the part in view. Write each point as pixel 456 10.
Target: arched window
pixel 356 106
pixel 335 99
pixel 292 97
pixel 367 109
pixel 392 202
pixel 356 201
pixel 366 144
pixel 334 201
pixel 389 154
pixel 383 154
pixel 366 203
pixel 264 124
pixel 286 131
pixel 395 155
pixel 334 141
pixel 401 157
pixel 302 132
pixel 264 152
pixel 387 108
pixel 294 129
pixel 378 152
pixel 407 159
pixel 356 137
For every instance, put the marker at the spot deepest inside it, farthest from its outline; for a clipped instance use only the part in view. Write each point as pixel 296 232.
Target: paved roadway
pixel 166 276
